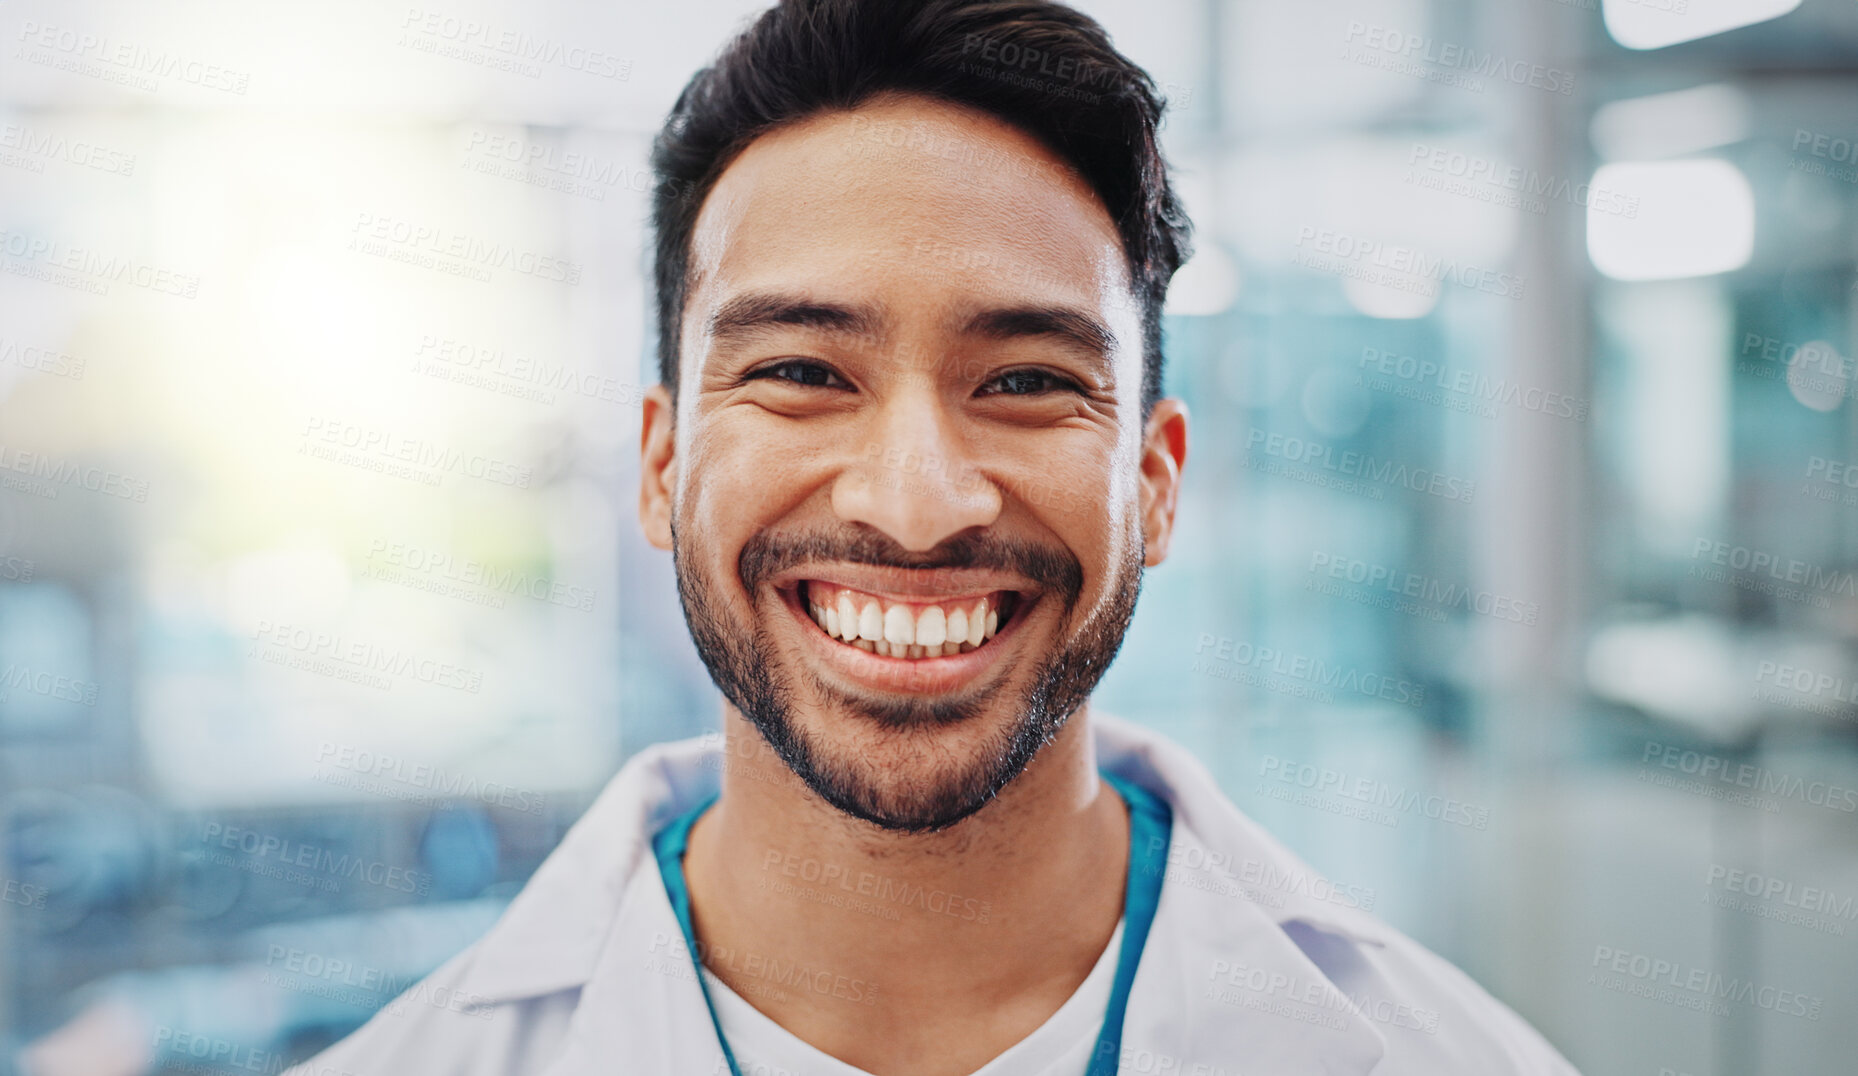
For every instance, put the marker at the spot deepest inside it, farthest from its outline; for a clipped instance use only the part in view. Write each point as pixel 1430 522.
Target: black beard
pixel 737 658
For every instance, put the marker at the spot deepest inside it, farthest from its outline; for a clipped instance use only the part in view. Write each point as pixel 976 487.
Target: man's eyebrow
pixel 747 314
pixel 1067 323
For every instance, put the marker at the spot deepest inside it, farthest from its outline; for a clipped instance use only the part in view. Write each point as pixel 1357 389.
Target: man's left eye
pixel 1029 383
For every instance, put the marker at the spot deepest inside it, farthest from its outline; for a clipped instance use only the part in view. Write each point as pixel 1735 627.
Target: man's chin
pixel 913 776
pixel 901 802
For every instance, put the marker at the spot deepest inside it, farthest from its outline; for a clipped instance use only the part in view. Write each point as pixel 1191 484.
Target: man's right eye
pixel 801 372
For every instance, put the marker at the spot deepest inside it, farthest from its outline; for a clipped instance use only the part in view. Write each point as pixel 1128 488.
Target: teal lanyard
pixel 1150 826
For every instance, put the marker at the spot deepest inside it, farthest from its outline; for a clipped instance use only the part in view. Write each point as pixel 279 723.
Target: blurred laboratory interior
pixel 1516 590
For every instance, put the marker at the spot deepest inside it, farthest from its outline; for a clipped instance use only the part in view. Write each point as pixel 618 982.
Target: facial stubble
pixel 930 789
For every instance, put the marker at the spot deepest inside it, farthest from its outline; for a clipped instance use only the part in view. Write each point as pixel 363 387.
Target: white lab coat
pixel 1254 965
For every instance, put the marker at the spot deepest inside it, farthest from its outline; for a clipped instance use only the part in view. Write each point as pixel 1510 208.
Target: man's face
pixel 907 485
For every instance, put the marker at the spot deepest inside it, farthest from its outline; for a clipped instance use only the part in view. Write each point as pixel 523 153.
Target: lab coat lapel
pixel 550 935
pixel 595 917
pixel 1221 984
pixel 1223 991
pixel 643 1009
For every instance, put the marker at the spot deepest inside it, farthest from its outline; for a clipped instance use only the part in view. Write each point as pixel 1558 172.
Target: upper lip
pixel 907 584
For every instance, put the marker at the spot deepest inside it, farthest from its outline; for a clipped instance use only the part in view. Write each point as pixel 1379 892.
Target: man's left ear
pixel 1164 453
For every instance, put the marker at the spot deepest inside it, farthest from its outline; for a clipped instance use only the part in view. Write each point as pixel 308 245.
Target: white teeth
pixel 871 623
pixel 899 626
pixel 900 630
pixel 932 627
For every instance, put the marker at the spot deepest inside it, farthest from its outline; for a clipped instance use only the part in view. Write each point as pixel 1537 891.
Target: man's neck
pixel 927 953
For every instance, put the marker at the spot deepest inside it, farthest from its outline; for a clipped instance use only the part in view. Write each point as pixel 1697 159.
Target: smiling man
pixel 911 458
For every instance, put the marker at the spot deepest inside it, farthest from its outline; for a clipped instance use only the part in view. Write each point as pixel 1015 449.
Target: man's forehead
pixel 841 204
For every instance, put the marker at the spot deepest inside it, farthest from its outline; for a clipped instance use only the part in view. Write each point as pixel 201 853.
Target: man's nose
pixel 914 480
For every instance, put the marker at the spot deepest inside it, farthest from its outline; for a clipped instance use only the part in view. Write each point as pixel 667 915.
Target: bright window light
pixel 1653 24
pixel 1694 217
pixel 1671 124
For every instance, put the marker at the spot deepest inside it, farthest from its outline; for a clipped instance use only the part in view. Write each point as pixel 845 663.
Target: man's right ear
pixel 657 466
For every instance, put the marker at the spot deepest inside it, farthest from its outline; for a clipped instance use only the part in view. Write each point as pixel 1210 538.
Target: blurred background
pixel 1517 586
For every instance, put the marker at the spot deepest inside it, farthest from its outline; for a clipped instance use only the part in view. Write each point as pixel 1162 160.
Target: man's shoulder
pixel 1432 1016
pixel 1300 954
pixel 439 1025
pixel 503 1004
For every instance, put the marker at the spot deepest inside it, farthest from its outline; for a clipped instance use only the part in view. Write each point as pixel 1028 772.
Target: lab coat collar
pixel 1221 979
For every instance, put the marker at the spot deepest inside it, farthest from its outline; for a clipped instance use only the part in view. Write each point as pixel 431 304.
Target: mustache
pixel 1053 568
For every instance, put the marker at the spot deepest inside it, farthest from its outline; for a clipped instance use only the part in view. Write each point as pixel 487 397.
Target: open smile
pixel 912 630
pixel 919 643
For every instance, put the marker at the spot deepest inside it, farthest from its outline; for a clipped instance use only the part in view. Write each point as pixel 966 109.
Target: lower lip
pixel 917 676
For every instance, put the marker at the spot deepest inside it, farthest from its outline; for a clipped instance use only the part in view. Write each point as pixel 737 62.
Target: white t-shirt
pixel 1060 1046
